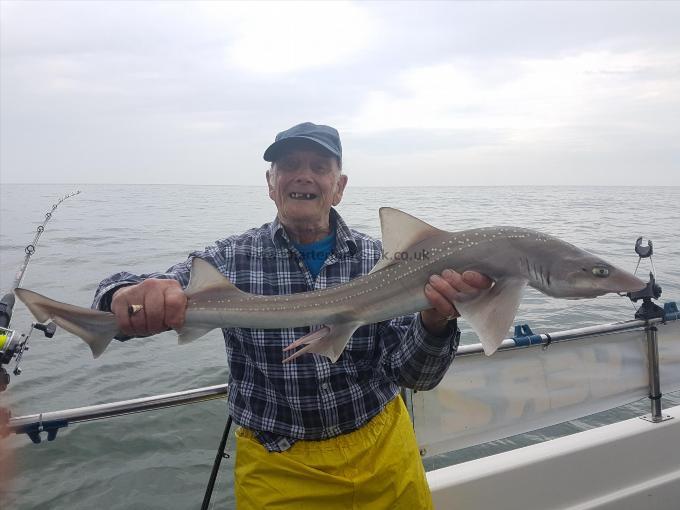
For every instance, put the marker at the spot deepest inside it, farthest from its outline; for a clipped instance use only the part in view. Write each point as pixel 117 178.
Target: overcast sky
pixel 422 93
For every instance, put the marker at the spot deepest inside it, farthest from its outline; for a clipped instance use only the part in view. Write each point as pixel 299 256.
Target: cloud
pixel 530 100
pixel 284 37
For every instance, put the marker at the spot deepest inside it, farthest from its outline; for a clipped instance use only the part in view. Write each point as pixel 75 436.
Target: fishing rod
pixel 13 344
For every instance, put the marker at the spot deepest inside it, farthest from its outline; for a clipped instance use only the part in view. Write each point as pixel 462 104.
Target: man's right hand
pixel 164 306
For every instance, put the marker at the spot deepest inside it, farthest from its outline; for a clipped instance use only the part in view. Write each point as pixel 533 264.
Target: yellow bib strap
pixel 376 467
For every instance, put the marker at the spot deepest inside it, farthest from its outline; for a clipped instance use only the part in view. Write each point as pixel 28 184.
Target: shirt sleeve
pixel 414 358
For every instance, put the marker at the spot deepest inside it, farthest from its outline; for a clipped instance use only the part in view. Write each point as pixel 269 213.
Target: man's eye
pixel 320 169
pixel 288 164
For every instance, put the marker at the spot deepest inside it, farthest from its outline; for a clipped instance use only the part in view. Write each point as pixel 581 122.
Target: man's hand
pixel 163 307
pixel 443 290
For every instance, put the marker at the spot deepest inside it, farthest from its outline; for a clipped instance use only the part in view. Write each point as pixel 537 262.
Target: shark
pixel 413 250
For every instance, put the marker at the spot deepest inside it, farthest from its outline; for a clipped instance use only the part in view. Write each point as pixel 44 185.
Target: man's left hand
pixel 444 290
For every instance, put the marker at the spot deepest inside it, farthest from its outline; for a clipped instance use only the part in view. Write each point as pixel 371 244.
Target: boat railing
pixel 50 422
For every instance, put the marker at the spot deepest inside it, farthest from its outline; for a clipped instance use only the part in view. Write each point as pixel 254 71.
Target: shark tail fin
pixel 492 313
pixel 96 328
pixel 328 341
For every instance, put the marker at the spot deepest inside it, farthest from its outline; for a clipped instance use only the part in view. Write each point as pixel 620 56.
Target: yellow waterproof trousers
pixel 376 467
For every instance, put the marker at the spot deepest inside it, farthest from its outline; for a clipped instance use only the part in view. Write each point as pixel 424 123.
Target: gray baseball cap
pixel 325 136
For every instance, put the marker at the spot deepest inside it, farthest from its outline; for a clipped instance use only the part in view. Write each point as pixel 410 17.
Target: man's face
pixel 304 184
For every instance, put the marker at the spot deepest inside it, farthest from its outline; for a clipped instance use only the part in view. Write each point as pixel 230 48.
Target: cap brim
pixel 275 149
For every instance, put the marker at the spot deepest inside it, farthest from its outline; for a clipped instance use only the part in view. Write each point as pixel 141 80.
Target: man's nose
pixel 304 174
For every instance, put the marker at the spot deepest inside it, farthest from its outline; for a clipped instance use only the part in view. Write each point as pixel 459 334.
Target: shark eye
pixel 601 272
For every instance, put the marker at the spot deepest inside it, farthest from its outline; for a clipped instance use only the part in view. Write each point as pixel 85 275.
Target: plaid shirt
pixel 310 398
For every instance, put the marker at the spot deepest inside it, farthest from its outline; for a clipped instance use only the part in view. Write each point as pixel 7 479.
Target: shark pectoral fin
pixel 96 328
pixel 491 314
pixel 328 341
pixel 186 335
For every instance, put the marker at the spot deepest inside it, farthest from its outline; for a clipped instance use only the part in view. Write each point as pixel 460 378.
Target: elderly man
pixel 313 434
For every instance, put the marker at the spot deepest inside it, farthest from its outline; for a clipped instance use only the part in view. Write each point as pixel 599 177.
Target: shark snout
pixel 625 282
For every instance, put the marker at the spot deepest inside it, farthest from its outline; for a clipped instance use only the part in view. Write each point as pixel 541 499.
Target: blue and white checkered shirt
pixel 310 398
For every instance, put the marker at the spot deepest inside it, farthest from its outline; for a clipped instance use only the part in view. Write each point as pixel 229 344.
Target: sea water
pixel 162 459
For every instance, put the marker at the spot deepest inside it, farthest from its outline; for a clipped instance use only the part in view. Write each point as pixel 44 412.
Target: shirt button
pixel 325 386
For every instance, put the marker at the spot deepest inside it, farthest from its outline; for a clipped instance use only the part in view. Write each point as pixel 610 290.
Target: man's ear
pixel 340 189
pixel 268 176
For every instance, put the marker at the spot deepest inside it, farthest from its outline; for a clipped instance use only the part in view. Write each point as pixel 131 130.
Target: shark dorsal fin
pixel 399 232
pixel 206 279
pixel 204 275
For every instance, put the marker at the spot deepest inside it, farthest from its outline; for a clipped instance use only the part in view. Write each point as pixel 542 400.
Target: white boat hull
pixel 630 465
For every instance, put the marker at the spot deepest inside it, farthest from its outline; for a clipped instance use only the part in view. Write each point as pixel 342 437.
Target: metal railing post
pixel 656 414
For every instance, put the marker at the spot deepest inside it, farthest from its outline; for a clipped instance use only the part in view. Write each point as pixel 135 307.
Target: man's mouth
pixel 302 196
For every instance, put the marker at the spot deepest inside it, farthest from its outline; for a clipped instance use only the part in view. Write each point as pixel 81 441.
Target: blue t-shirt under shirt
pixel 315 254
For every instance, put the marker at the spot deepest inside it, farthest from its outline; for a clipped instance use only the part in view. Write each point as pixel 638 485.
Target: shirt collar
pixel 344 240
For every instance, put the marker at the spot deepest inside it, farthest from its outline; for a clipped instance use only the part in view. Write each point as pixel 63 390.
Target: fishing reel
pixel 9 348
pixel 14 344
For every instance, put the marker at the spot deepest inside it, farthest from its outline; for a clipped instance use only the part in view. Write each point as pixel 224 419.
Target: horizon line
pixel 353 186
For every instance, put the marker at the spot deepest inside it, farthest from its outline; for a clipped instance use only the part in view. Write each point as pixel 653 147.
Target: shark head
pixel 583 275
